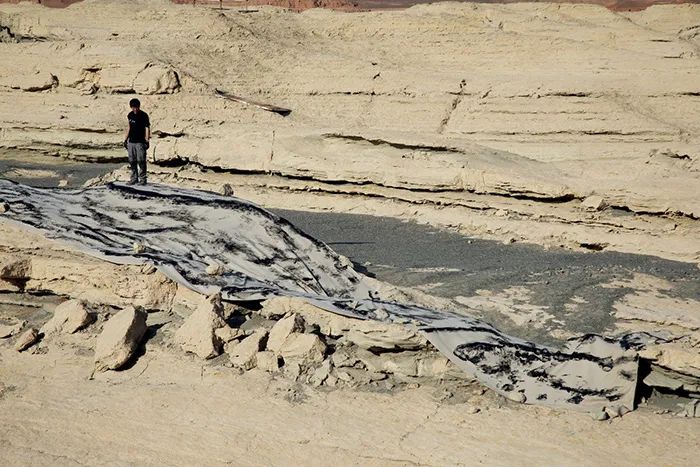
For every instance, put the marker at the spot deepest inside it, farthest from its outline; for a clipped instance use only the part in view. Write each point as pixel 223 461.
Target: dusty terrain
pixel 179 409
pixel 554 124
pixel 363 5
pixel 544 124
pixel 175 411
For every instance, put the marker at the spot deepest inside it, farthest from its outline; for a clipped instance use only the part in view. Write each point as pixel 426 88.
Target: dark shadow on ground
pixel 449 265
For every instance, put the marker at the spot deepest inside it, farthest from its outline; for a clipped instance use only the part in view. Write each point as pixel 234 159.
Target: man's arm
pixel 126 137
pixel 148 131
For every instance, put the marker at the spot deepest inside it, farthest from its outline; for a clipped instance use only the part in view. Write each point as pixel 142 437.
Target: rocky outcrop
pixel 199 333
pixel 36 264
pixel 299 341
pixel 283 329
pixel 156 79
pixel 30 337
pixel 416 137
pixel 243 355
pixel 311 345
pixel 361 5
pixel 119 339
pixel 304 349
pixel 68 317
pixel 291 338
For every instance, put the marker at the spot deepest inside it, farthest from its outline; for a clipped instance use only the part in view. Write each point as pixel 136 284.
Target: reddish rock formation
pixel 49 3
pixel 296 5
pixel 615 5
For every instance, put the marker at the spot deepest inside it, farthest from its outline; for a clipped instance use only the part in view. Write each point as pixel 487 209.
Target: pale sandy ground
pixel 177 411
pixel 496 121
pixel 170 408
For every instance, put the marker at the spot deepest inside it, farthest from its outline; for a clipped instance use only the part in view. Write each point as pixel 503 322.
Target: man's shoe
pixel 131 182
pixel 142 182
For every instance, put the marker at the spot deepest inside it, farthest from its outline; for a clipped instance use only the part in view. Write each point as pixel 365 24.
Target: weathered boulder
pixel 368 334
pixel 120 339
pixel 76 275
pixel 281 331
pixel 342 358
pixel 674 367
pixel 305 349
pixel 68 317
pixel 268 361
pixel 594 203
pixel 38 81
pixel 275 308
pixel 322 373
pixel 226 334
pixel 26 340
pixel 198 333
pixel 156 79
pixel 243 355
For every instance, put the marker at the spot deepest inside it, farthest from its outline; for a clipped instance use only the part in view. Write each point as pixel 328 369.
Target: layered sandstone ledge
pixel 363 5
pixel 555 124
pixel 287 336
pixel 51 293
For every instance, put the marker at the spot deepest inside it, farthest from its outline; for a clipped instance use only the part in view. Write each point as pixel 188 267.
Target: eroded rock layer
pixel 256 255
pixel 498 120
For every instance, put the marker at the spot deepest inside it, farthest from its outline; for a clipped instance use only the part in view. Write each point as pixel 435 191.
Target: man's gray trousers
pixel 137 162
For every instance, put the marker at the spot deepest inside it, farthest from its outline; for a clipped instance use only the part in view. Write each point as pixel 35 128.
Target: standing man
pixel 136 142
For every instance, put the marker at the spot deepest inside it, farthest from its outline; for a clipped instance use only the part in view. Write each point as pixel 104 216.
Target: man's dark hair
pixel 135 103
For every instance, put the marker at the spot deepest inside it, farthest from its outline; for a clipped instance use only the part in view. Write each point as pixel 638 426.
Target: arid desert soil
pixel 178 411
pixel 540 123
pixel 176 408
pixel 363 5
pixel 567 127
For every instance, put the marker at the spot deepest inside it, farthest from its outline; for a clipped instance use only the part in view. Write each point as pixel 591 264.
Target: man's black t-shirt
pixel 138 122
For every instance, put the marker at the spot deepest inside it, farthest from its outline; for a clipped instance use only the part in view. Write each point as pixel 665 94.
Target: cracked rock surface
pixel 562 125
pixel 497 120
